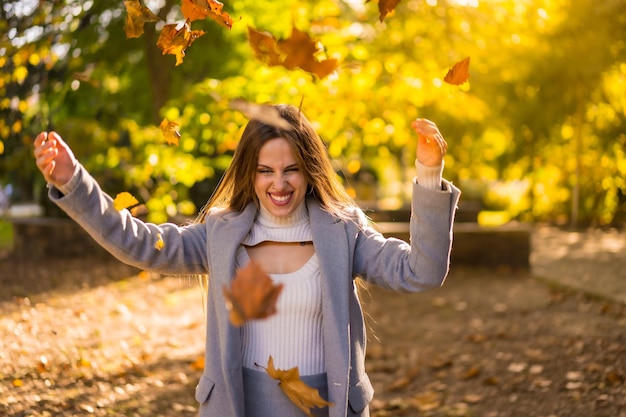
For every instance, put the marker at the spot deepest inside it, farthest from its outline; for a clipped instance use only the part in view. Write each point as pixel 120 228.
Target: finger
pixel 49 170
pixel 40 139
pixel 46 158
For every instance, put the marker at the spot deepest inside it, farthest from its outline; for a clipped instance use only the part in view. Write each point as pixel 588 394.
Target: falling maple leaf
pixel 302 395
pixel 201 9
pixel 159 244
pixel 198 364
pixel 252 295
pixel 297 51
pixel 459 73
pixel 86 76
pixel 385 7
pixel 136 16
pixel 264 113
pixel 170 131
pixel 176 41
pixel 124 200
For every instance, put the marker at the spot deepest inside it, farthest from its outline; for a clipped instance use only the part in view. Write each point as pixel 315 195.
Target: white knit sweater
pixel 293 336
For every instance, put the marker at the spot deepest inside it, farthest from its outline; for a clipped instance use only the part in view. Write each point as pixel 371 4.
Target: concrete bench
pixel 474 245
pixel 41 238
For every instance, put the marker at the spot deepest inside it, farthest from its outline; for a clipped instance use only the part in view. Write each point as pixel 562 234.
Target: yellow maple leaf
pixel 175 41
pixel 302 395
pixel 124 200
pixel 136 16
pixel 170 131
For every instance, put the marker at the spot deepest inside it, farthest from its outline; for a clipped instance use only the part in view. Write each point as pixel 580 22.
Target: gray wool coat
pixel 346 249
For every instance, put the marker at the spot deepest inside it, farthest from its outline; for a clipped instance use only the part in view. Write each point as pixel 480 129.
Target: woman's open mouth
pixel 280 199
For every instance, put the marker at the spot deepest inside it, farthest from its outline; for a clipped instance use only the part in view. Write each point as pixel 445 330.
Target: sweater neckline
pixel 270 228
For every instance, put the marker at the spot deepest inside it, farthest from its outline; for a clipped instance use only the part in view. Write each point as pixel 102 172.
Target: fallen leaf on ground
pixel 459 73
pixel 252 295
pixel 302 395
pixel 405 380
pixel 426 401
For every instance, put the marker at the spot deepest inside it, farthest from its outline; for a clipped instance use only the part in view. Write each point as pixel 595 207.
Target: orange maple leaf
pixel 252 295
pixel 136 16
pixel 175 41
pixel 459 73
pixel 297 51
pixel 201 9
pixel 302 395
pixel 170 131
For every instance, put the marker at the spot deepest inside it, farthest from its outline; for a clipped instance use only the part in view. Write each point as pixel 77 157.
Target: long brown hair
pixel 236 188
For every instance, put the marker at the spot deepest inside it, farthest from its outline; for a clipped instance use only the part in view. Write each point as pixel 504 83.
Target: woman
pixel 281 205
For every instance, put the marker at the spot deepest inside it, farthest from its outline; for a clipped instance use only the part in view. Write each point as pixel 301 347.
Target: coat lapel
pixel 226 236
pixel 331 244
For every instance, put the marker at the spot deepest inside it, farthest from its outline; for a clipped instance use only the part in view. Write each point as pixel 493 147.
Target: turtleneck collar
pixel 292 228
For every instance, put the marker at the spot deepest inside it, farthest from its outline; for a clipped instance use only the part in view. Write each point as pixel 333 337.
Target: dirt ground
pixel 81 337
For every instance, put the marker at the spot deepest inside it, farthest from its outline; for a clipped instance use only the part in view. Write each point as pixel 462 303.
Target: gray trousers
pixel 264 398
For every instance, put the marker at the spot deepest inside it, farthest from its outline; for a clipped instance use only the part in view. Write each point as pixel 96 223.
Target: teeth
pixel 280 198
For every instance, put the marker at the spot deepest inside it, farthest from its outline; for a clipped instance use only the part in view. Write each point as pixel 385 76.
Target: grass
pixel 6 234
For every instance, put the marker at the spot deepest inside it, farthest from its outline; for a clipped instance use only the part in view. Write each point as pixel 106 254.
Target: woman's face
pixel 279 182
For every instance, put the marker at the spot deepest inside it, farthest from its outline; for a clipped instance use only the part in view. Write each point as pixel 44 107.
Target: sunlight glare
pixel 467 3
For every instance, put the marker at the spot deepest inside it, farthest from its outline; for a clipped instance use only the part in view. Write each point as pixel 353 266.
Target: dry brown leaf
pixel 427 401
pixel 262 112
pixel 385 7
pixel 176 41
pixel 136 16
pixel 302 395
pixel 297 51
pixel 472 372
pixel 201 9
pixel 459 73
pixel 170 131
pixel 139 210
pixel 405 380
pixel 472 398
pixel 252 295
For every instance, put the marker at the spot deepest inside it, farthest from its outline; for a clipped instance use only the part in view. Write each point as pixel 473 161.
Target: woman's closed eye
pixel 264 170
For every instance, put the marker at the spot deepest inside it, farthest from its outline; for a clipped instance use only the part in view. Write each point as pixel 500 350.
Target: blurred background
pixel 538 134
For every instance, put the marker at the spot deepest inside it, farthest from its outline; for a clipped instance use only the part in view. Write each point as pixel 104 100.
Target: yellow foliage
pixel 19 74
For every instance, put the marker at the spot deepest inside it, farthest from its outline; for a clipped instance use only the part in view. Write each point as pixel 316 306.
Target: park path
pixel 593 260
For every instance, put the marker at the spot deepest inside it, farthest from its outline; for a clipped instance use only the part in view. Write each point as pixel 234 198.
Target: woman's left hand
pixel 431 146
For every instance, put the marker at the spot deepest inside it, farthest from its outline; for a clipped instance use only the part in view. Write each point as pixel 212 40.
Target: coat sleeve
pixel 424 263
pixel 165 248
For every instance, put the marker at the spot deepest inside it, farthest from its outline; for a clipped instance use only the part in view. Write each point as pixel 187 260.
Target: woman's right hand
pixel 54 158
